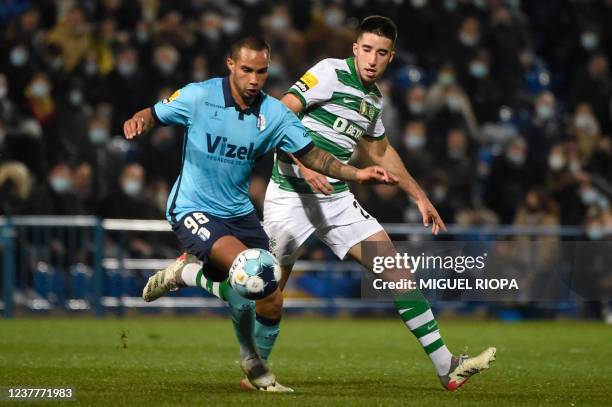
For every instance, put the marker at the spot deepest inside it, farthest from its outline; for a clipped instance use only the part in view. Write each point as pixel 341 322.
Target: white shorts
pixel 338 221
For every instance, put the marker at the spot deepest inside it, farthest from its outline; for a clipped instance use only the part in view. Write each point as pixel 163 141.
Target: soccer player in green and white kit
pixel 340 105
pixel 339 102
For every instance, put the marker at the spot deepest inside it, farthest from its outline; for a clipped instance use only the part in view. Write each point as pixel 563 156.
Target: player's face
pixel 248 72
pixel 372 55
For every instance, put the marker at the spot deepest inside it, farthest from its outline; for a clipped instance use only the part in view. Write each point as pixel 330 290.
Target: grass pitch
pixel 193 361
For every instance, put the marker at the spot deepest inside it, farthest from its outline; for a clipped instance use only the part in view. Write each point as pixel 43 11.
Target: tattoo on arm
pixel 325 163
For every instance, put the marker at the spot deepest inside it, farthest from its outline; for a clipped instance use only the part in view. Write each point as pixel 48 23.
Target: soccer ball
pixel 255 274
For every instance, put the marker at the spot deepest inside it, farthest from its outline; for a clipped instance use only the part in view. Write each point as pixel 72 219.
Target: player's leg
pixel 416 313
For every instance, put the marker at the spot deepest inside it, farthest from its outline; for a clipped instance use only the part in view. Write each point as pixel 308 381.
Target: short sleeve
pixel 292 136
pixel 315 85
pixel 377 129
pixel 178 108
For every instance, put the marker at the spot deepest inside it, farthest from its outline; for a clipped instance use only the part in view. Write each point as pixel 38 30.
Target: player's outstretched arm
pixel 325 163
pixel 141 122
pixel 382 153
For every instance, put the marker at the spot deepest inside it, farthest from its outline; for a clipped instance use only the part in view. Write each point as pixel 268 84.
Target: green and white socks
pixel 414 310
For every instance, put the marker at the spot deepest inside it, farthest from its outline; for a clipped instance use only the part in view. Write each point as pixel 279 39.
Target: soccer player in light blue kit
pixel 230 123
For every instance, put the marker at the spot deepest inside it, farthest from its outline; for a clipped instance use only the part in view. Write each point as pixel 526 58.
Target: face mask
pixel 468 40
pixel 595 233
pixel 60 184
pixel 76 97
pixel 131 187
pixel 213 34
pixel 516 159
pixel 556 162
pixel 584 121
pixel 418 3
pixel 56 64
pixel 603 202
pixel 126 69
pixel 450 5
pixel 544 112
pixel 333 19
pixel 98 135
pixel 479 70
pixel 91 68
pixel 3 92
pixel 589 40
pixel 414 141
pixel 416 107
pixel 456 153
pixel 40 89
pixel 19 56
pixel 166 67
pixel 230 26
pixel 589 196
pixel 199 75
pixel 447 79
pixel 454 102
pixel 279 23
pixel 142 36
pixel 438 193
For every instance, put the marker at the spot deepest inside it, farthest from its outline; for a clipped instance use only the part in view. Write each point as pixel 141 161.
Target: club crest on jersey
pixel 171 97
pixel 368 110
pixel 261 122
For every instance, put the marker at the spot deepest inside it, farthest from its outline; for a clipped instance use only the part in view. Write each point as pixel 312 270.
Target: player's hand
pixel 376 174
pixel 430 214
pixel 318 182
pixel 133 127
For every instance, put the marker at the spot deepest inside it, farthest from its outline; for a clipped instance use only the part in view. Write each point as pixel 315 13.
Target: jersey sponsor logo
pixel 344 126
pixel 221 147
pixel 172 97
pixel 306 82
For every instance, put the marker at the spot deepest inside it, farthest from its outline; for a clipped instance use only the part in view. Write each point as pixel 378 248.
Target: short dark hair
pixel 251 42
pixel 379 25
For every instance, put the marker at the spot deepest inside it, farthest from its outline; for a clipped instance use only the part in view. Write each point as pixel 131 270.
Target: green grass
pixel 193 361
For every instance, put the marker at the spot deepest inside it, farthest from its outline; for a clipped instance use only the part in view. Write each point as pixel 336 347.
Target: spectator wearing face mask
pixel 507 38
pixel 586 132
pixel 508 180
pixel 72 34
pixel 130 199
pixel 18 64
pixel 561 183
pixel 8 110
pixel 164 71
pixel 127 199
pixel 163 146
pixel 458 164
pixel 463 48
pixel 485 94
pixel 413 150
pixel 414 104
pixel 210 41
pixel 124 85
pixel 542 131
pixel 57 196
pixel 594 86
pixel 449 107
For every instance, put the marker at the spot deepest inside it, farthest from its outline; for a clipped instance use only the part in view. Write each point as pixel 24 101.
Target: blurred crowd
pixel 500 109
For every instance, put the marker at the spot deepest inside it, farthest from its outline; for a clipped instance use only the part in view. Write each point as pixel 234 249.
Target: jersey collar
pixel 229 100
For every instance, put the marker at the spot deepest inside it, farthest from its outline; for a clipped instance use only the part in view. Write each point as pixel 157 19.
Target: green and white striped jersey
pixel 338 112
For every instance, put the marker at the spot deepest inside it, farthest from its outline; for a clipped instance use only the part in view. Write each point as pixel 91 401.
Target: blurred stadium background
pixel 501 110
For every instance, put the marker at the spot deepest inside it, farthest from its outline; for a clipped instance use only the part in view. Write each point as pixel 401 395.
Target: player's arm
pixel 141 122
pixel 325 163
pixel 317 182
pixel 380 152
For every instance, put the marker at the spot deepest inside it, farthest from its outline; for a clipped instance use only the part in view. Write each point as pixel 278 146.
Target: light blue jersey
pixel 221 145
